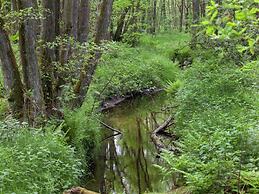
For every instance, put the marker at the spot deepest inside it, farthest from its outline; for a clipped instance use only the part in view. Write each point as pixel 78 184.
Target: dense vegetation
pixel 204 55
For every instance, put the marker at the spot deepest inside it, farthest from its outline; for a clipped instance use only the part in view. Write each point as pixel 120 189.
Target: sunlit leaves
pixel 234 20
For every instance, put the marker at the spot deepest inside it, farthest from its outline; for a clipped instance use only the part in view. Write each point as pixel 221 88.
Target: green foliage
pixel 233 26
pixel 11 17
pixel 82 129
pixel 216 120
pixel 33 161
pixel 173 87
pixel 125 69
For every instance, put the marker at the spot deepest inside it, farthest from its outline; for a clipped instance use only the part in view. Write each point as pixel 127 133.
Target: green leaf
pixel 210 30
pixel 251 43
pixel 214 15
pixel 241 48
pixel 240 15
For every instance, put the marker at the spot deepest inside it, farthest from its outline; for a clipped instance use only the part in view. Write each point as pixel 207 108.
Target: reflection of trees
pixel 130 170
pixel 115 163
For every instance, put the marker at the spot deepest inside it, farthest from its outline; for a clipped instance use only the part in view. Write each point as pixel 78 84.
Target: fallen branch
pixel 161 129
pixel 164 126
pixel 111 128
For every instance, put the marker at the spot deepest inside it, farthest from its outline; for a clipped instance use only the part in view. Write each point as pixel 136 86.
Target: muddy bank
pixel 113 101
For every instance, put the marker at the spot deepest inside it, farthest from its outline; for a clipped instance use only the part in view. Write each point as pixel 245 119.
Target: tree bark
pixel 50 28
pixel 103 21
pixel 102 31
pixel 84 19
pixel 31 72
pixel 196 11
pixel 181 9
pixel 203 8
pixel 121 23
pixel 75 9
pixel 196 18
pixel 154 18
pixel 12 79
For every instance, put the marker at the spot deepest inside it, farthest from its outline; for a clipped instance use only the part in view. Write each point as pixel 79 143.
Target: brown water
pixel 126 163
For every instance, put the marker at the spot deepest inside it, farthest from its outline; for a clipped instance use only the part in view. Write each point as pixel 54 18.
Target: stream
pixel 126 162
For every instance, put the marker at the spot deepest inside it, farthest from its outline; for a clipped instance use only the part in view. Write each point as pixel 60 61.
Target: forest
pixel 129 96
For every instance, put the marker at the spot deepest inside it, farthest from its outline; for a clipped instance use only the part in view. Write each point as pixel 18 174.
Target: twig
pixel 111 128
pixel 110 136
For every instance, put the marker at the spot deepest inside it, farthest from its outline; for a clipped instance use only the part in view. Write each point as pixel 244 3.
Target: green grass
pixel 125 69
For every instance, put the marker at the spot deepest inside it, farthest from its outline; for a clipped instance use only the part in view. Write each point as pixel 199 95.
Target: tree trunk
pixel 196 18
pixel 31 72
pixel 70 30
pixel 154 18
pixel 75 9
pixel 102 31
pixel 203 8
pixel 50 28
pixel 181 9
pixel 120 25
pixel 196 11
pixel 84 19
pixel 12 79
pixel 103 21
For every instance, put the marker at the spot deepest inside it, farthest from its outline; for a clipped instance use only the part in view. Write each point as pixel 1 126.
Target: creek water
pixel 126 162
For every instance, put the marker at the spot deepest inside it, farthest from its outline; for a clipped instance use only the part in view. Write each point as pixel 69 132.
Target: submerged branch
pixel 110 136
pixel 111 128
pixel 164 126
pixel 161 129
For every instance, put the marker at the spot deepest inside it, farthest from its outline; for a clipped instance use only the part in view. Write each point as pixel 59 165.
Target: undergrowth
pixel 217 125
pixel 35 160
pixel 125 69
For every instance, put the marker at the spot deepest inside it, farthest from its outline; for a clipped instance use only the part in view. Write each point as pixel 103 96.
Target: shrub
pixel 33 161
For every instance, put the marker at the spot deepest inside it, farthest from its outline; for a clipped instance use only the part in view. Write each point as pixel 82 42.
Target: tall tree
pixel 181 10
pixel 50 28
pixel 154 17
pixel 121 24
pixel 29 60
pixel 102 31
pixel 196 11
pixel 84 20
pixel 12 79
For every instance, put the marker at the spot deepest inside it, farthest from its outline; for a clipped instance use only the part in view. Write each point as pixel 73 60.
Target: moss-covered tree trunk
pixel 31 71
pixel 84 18
pixel 196 18
pixel 12 79
pixel 121 24
pixel 50 28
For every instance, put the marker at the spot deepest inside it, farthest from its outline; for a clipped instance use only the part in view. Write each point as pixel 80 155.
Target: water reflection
pixel 126 162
